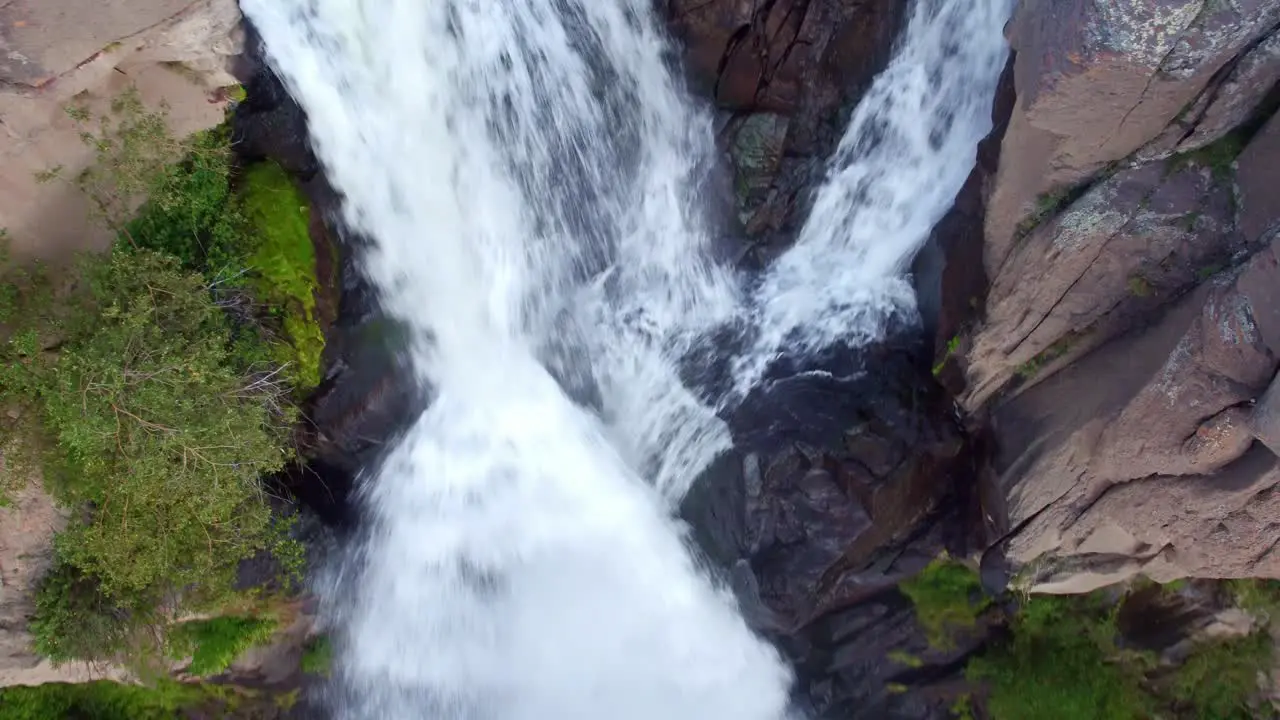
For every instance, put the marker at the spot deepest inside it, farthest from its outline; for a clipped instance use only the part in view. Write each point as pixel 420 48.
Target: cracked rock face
pixel 1141 456
pixel 1096 82
pixel 1131 327
pixel 57 52
pixel 785 74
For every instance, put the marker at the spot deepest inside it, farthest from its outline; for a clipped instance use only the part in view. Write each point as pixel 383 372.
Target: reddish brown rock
pixel 1127 246
pixel 789 71
pixel 1137 457
pixel 1098 81
pixel 778 55
pixel 1258 179
pixel 1266 417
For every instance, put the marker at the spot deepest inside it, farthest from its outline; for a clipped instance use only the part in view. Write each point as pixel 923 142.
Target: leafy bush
pixel 132 147
pixel 150 428
pixel 75 620
pixel 215 643
pixel 101 700
pixel 255 239
pixel 191 213
pixel 150 394
pixel 1061 664
pixel 948 598
pixel 317 656
pixel 157 433
pixel 1219 678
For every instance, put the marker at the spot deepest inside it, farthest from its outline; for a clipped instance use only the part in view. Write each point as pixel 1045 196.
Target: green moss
pixel 101 700
pixel 953 345
pixel 948 598
pixel 1219 156
pixel 905 658
pixel 962 708
pixel 236 94
pixel 1061 664
pixel 1219 679
pixel 283 262
pixel 317 656
pixel 1140 287
pixel 215 643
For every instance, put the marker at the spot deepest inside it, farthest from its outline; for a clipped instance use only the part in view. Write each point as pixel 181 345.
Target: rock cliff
pixel 1130 330
pixel 56 52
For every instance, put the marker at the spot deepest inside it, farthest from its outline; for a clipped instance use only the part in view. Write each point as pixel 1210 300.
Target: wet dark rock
pixel 849 475
pixel 787 72
pixel 948 274
pixel 269 124
pixel 1257 177
pixel 368 394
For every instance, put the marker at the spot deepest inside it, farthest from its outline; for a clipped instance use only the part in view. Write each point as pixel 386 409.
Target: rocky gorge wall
pixel 178 53
pixel 1102 299
pixel 1123 349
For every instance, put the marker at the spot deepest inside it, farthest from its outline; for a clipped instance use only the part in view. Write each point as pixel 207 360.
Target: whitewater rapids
pixel 525 172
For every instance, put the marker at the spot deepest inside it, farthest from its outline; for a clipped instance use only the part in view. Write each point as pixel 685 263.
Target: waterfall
pixel 525 171
pixel 908 148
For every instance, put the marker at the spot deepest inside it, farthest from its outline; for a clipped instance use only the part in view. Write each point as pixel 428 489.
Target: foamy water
pixel 524 170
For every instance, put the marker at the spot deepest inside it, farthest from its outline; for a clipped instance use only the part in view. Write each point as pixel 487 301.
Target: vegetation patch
pixel 948 599
pixel 317 656
pixel 1061 663
pixel 215 643
pixel 1061 347
pixel 1140 287
pixel 1218 156
pixel 283 265
pixel 1064 658
pixel 151 388
pixel 101 700
pixel 953 346
pixel 151 428
pixel 246 232
pixel 1220 678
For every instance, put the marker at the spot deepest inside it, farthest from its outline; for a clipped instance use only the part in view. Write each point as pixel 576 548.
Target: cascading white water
pixel 905 154
pixel 524 170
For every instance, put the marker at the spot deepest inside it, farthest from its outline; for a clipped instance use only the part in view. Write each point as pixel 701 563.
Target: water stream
pixel 526 171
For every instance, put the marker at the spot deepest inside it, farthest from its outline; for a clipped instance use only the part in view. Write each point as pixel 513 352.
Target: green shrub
pixel 101 700
pixel 215 643
pixel 256 239
pixel 75 620
pixel 1257 596
pixel 317 656
pixel 191 214
pixel 1061 664
pixel 157 437
pixel 947 596
pixel 283 264
pixel 149 391
pixel 1220 678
